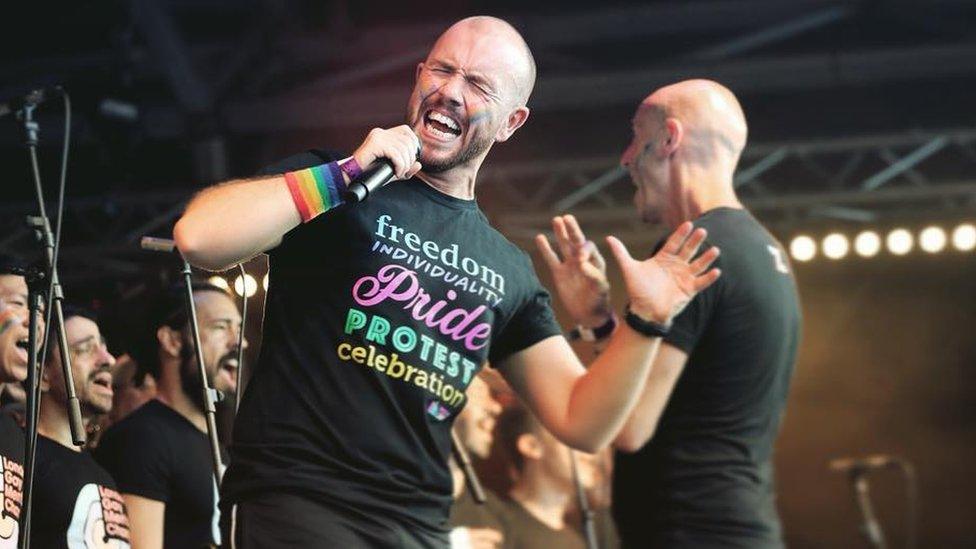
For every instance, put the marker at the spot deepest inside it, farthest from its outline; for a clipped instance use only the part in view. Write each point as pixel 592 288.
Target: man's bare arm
pixel 643 421
pixel 146 519
pixel 236 220
pixel 587 408
pixel 584 408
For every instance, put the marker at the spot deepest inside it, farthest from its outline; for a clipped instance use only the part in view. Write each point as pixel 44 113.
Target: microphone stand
pixel 238 389
pixel 461 456
pixel 38 281
pixel 586 514
pixel 870 526
pixel 209 394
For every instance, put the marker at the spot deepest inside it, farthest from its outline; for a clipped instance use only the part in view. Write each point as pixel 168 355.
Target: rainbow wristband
pixel 316 190
pixel 351 168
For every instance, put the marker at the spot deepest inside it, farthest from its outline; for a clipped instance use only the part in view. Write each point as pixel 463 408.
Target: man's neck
pixel 52 422
pixel 542 500
pixel 705 190
pixel 170 392
pixel 457 475
pixel 458 182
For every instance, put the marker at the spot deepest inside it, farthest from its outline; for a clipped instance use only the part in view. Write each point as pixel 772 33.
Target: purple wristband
pixel 351 168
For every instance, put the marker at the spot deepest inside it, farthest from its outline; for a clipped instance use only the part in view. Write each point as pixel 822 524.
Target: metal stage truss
pixel 922 175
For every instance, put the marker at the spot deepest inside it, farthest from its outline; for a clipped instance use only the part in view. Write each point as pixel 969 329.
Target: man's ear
pixel 513 122
pixel 529 446
pixel 416 75
pixel 169 340
pixel 674 134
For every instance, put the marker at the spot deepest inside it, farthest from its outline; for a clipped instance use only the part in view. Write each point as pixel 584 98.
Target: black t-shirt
pixel 11 480
pixel 467 512
pixel 76 504
pixel 606 530
pixel 524 531
pixel 156 453
pixel 705 478
pixel 378 316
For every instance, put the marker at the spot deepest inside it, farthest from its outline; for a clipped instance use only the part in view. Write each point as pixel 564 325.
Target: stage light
pixel 803 248
pixel 932 240
pixel 899 241
pixel 867 244
pixel 964 237
pixel 247 282
pixel 264 282
pixel 219 282
pixel 835 246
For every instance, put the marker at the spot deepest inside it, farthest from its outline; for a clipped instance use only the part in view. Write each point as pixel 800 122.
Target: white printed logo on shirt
pixel 99 520
pixel 781 265
pixel 11 497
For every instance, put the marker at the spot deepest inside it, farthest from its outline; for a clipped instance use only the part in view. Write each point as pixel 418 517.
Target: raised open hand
pixel 580 276
pixel 660 287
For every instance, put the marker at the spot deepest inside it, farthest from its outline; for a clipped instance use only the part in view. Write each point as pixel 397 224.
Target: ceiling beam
pixel 384 106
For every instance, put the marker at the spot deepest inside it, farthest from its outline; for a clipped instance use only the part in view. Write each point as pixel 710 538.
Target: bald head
pixel 713 124
pixel 688 138
pixel 505 43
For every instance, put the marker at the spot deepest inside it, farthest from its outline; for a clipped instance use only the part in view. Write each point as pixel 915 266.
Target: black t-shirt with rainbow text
pixel 76 503
pixel 378 316
pixel 11 480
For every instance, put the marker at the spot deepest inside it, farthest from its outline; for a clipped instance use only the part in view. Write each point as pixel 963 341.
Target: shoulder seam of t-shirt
pixel 442 198
pixel 324 156
pixel 138 488
pixel 723 209
pixel 141 491
pixel 140 427
pixel 687 340
pixel 320 156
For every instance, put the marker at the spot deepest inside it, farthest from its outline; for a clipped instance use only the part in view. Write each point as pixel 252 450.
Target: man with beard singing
pixel 76 502
pixel 160 454
pixel 380 314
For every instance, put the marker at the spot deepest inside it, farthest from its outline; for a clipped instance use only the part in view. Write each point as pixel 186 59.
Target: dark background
pixel 861 116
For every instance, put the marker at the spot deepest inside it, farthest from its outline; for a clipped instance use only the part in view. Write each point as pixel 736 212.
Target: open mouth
pixel 229 365
pixel 22 346
pixel 228 368
pixel 103 379
pixel 441 125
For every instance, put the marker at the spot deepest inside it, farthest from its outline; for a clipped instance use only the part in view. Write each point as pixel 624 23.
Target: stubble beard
pixel 472 150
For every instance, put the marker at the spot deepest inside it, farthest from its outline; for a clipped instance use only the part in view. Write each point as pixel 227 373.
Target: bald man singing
pixel 380 314
pixel 694 467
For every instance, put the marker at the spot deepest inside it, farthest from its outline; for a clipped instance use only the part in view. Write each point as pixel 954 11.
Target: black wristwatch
pixel 645 327
pixel 600 332
pixel 594 334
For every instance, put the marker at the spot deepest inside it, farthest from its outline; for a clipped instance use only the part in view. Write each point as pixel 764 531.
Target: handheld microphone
pixel 378 174
pixel 153 244
pixel 864 464
pixel 31 98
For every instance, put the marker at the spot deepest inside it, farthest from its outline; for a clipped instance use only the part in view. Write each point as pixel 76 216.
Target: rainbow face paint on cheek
pixel 477 115
pixel 7 320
